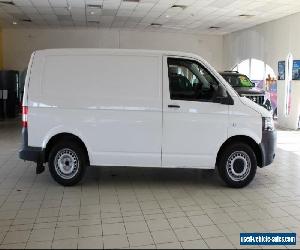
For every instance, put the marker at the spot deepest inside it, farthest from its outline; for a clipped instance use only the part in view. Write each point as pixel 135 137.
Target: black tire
pixel 237 165
pixel 72 151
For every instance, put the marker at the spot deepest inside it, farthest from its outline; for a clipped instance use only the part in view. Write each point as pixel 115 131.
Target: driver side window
pixel 190 81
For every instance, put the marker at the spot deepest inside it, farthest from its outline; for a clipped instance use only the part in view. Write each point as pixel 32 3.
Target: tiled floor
pixel 144 208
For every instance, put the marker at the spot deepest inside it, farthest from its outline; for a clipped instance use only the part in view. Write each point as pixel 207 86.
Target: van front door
pixel 194 122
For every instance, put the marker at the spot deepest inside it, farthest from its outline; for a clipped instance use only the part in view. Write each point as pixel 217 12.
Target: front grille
pixel 259 99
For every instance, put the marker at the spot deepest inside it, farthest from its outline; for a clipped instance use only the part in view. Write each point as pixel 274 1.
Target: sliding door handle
pixel 173 106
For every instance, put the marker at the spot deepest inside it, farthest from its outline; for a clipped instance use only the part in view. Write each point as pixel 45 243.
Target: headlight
pixel 268 123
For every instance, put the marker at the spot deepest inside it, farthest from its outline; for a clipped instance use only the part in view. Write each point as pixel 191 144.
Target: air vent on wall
pixel 7 2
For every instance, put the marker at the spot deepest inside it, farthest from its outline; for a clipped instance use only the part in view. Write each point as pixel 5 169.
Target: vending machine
pixel 9 94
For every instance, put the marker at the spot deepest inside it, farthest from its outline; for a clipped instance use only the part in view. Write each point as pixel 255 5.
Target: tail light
pixel 24 116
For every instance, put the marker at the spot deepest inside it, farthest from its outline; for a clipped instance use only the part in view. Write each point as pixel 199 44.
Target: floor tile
pixel 201 220
pixel 230 228
pixel 187 234
pixel 16 237
pixel 115 241
pixel 65 244
pixel 41 235
pixel 219 243
pixel 136 227
pixel 90 243
pixel 173 245
pixel 158 224
pixel 180 222
pixel 87 231
pixel 66 233
pixel 164 236
pixel 140 239
pixel 194 244
pixel 113 228
pixel 209 231
pixel 39 245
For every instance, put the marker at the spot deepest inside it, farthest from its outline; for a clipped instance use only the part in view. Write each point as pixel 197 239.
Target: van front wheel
pixel 67 163
pixel 237 165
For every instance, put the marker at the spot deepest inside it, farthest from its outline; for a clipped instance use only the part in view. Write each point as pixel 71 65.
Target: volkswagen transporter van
pixel 94 107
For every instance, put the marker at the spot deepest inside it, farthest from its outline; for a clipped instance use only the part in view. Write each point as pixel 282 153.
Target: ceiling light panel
pixel 188 16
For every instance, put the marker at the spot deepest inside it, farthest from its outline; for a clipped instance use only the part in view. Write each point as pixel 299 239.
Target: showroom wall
pixel 19 43
pixel 270 42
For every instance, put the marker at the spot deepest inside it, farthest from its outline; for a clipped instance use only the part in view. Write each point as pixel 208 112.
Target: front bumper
pixel 268 147
pixel 28 153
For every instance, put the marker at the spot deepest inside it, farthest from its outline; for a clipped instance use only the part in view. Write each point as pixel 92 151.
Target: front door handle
pixel 173 106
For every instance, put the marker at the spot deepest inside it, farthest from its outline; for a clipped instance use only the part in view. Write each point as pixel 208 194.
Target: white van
pixel 94 107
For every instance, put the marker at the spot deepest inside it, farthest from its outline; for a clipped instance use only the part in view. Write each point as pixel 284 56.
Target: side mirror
pixel 223 97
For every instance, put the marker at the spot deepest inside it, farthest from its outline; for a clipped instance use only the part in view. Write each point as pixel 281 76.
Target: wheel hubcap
pixel 238 165
pixel 66 163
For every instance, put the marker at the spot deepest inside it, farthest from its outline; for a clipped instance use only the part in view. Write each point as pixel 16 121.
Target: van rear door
pixel 194 125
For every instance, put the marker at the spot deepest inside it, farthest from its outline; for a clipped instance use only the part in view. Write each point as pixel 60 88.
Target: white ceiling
pixel 196 17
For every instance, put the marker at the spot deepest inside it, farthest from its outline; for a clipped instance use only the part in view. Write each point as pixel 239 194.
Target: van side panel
pixel 113 103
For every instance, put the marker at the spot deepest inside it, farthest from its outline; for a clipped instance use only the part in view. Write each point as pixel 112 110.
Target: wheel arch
pixel 244 139
pixel 63 136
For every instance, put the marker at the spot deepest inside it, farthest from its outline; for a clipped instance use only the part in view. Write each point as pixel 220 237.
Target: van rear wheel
pixel 237 165
pixel 67 163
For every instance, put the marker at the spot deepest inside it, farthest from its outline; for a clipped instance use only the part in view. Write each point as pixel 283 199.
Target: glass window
pixel 245 81
pixel 244 67
pixel 190 81
pixel 257 70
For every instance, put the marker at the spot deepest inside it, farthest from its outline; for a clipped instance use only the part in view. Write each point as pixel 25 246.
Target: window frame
pixel 200 65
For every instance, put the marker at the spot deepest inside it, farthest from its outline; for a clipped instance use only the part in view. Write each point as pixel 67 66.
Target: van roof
pixel 114 51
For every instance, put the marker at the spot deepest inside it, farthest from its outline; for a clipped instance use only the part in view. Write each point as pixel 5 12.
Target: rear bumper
pixel 268 147
pixel 27 153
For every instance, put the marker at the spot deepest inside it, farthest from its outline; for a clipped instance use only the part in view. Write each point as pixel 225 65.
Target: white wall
pixel 270 42
pixel 18 44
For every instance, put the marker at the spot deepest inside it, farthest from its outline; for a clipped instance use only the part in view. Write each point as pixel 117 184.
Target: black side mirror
pixel 223 97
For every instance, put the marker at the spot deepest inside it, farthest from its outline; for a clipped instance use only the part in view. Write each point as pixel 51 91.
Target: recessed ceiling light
pixel 92 12
pixel 27 20
pixel 167 16
pixel 179 6
pixel 94 6
pixel 94 22
pixel 246 15
pixel 7 2
pixel 14 23
pixel 155 25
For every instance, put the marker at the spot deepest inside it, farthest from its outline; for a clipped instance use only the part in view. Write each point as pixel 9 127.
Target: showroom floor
pixel 144 208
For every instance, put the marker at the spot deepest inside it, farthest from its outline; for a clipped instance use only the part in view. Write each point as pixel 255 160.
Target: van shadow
pixel 152 176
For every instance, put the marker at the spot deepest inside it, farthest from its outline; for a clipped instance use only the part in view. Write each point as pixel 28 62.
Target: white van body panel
pixel 113 103
pixel 116 102
pixel 188 140
pixel 244 121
